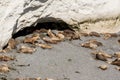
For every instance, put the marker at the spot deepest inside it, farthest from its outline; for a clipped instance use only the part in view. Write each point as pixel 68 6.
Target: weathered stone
pixel 85 15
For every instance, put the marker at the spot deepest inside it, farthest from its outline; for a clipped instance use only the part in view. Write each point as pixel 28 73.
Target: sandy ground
pixel 65 61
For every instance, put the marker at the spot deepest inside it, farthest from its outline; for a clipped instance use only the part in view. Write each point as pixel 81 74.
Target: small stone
pixel 69 60
pixel 103 67
pixel 77 72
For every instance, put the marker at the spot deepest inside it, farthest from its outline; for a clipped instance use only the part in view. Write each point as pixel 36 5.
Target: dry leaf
pixel 109 35
pixel 116 62
pixel 50 34
pixel 94 34
pixel 84 34
pixel 48 79
pixel 4 68
pixel 44 46
pixel 103 67
pixel 12 44
pixel 76 35
pixel 25 49
pixel 28 79
pixel 117 68
pixel 89 45
pixel 4 50
pixel 71 35
pixel 56 39
pixel 50 40
pixel 32 39
pixel 92 44
pixel 101 55
pixel 95 42
pixel 117 54
pixel 6 58
pixel 60 36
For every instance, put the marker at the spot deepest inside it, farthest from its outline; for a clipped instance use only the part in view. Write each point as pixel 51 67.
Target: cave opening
pixel 45 25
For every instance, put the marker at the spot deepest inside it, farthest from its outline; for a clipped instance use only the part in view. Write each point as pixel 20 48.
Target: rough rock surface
pixel 83 15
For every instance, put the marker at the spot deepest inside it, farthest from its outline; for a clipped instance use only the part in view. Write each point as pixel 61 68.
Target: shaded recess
pixel 45 25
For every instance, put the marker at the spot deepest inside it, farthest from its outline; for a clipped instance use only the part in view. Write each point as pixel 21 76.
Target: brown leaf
pixel 25 49
pixel 60 36
pixel 32 39
pixel 4 68
pixel 89 45
pixel 103 67
pixel 48 79
pixel 84 34
pixel 92 44
pixel 44 46
pixel 76 35
pixel 117 54
pixel 50 40
pixel 12 44
pixel 94 34
pixel 28 79
pixel 50 34
pixel 95 42
pixel 6 58
pixel 109 35
pixel 101 55
pixel 116 62
pixel 117 68
pixel 71 35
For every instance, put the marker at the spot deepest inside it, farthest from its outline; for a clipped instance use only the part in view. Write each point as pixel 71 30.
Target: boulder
pixel 81 15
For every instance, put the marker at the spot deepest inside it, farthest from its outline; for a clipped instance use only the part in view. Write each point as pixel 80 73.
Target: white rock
pixel 86 15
